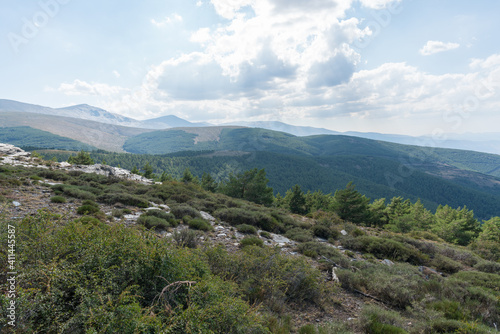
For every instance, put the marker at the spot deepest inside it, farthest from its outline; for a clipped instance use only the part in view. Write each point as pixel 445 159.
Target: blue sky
pixel 410 66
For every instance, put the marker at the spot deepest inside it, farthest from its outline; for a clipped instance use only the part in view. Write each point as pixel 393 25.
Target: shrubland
pixel 413 271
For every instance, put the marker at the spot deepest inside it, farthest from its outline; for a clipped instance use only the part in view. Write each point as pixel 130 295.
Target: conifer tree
pixel 350 205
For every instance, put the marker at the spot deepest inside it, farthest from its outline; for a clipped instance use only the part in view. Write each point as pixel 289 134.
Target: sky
pixel 415 67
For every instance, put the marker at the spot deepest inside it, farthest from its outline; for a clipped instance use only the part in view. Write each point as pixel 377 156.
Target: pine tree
pixel 208 182
pixel 250 185
pixel 297 201
pixel 148 171
pixel 82 158
pixel 350 205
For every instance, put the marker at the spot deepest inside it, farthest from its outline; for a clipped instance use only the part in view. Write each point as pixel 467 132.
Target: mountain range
pixel 326 162
pixel 485 142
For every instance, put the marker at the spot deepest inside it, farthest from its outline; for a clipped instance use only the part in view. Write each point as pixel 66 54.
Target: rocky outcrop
pixel 12 155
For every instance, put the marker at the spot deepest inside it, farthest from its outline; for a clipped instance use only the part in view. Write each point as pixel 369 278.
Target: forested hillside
pixel 377 177
pixel 26 137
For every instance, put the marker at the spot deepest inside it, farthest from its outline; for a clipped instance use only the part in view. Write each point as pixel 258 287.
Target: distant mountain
pixel 101 135
pixel 90 113
pixel 380 169
pixel 283 127
pixel 166 122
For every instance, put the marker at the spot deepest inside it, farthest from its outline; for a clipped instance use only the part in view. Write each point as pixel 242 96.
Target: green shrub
pixel 161 214
pixel 385 248
pixel 118 213
pixel 200 224
pixel 307 329
pixel 299 234
pixel 124 198
pixel 55 175
pixel 260 219
pixel 445 264
pixel 321 231
pixel 181 210
pixel 334 327
pixel 251 241
pixel 399 285
pixel 58 199
pixel 450 309
pixel 153 222
pixel 186 238
pixel 488 267
pixel 87 209
pixel 376 320
pixel 246 229
pixel 266 235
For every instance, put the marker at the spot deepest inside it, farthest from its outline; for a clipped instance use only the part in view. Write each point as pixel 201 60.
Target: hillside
pixel 103 136
pixel 327 162
pixel 26 137
pixel 104 254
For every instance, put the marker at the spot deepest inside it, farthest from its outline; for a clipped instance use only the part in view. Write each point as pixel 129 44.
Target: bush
pixel 124 198
pixel 384 248
pixel 238 216
pixel 153 222
pixel 299 234
pixel 321 231
pixel 170 218
pixel 186 238
pixel 181 210
pixel 251 241
pixel 488 267
pixel 87 209
pixel 58 199
pixel 376 320
pixel 266 235
pixel 446 264
pixel 246 229
pixel 319 249
pixel 200 224
pixel 399 285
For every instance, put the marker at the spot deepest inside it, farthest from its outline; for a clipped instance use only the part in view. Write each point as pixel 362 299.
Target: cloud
pixel 167 20
pixel 336 70
pixel 378 4
pixel 433 47
pixel 83 88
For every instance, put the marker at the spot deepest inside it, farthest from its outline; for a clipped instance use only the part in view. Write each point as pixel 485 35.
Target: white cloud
pixel 167 20
pixel 378 4
pixel 433 47
pixel 83 88
pixel 116 73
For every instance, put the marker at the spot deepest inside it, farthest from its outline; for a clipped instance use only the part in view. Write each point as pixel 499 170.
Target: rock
pixel 16 203
pixel 334 275
pixel 387 262
pixel 11 150
pixel 222 235
pixel 207 216
pixel 343 232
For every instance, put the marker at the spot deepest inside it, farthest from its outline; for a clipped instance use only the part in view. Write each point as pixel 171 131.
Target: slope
pixel 103 136
pixel 27 138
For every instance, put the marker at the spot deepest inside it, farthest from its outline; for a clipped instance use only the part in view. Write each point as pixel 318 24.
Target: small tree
pixel 82 158
pixel 250 185
pixel 208 182
pixel 148 171
pixel 350 205
pixel 297 200
pixel 187 177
